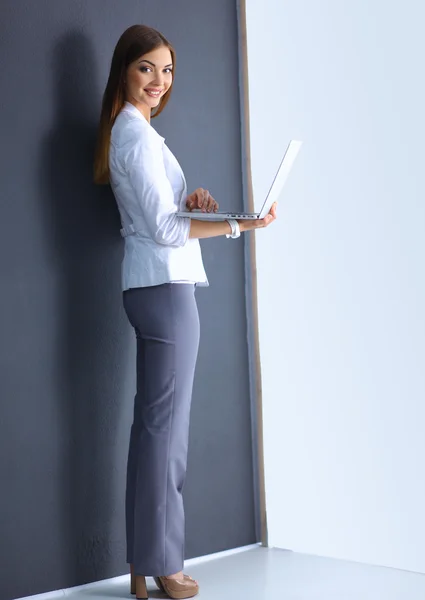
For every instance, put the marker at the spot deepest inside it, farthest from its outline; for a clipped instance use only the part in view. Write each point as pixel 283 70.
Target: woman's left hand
pixel 203 200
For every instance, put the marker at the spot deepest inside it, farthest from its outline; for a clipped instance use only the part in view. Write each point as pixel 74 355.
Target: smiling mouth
pixel 154 93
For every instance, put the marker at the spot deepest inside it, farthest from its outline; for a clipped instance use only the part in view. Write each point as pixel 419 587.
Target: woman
pixel 162 265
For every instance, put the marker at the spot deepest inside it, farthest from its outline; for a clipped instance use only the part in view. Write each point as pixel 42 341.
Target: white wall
pixel 341 275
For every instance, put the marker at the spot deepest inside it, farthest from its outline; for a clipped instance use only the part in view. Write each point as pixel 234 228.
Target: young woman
pixel 162 265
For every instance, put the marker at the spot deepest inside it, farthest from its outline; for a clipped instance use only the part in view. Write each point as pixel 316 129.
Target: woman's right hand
pixel 248 224
pixel 201 199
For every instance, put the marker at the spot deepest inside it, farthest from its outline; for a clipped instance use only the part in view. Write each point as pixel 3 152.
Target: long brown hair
pixel 136 41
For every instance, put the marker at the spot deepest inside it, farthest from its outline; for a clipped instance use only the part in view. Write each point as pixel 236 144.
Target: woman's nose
pixel 159 80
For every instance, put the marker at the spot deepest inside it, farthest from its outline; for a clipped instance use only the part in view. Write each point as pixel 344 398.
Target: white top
pixel 150 188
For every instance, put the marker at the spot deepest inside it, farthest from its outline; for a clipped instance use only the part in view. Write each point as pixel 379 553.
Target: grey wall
pixel 66 350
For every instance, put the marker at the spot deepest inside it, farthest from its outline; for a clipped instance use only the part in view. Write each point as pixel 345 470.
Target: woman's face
pixel 149 78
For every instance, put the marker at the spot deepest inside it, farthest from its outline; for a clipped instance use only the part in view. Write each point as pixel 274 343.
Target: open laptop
pixel 273 195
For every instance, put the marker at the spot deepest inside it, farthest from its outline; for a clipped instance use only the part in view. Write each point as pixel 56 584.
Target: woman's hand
pixel 247 225
pixel 202 199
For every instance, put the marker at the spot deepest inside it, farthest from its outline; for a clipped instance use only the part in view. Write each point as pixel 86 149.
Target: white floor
pixel 262 573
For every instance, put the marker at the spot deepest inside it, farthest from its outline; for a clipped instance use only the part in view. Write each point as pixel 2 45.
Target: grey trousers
pixel 166 322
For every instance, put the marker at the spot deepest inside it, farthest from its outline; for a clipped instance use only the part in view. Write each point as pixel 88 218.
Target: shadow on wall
pixel 83 241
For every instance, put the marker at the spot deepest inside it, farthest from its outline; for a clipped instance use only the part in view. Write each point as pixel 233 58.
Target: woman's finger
pixel 197 197
pixel 211 204
pixel 201 198
pixel 206 200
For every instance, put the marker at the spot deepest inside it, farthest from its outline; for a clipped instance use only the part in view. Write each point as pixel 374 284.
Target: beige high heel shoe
pixel 178 589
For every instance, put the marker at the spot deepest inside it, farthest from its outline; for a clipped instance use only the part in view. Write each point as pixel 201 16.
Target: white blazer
pixel 149 187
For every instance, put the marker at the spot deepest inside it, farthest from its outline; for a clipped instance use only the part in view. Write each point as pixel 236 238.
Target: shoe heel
pixel 141 590
pixel 132 581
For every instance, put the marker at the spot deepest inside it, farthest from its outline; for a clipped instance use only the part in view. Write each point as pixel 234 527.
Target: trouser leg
pixel 167 328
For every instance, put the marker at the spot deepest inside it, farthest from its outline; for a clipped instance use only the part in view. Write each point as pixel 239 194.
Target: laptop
pixel 273 195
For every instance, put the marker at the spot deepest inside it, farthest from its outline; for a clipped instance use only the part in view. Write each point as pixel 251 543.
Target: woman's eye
pixel 147 69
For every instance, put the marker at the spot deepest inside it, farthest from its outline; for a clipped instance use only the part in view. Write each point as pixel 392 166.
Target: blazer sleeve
pixel 143 163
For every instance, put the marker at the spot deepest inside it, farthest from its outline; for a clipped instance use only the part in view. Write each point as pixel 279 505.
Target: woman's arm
pixel 142 158
pixel 208 229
